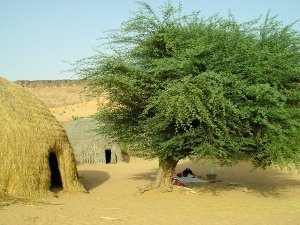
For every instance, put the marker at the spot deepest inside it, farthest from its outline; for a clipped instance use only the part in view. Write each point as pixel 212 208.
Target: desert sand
pixel 260 197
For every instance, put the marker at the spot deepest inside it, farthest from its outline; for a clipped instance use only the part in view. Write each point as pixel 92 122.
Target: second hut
pixel 90 147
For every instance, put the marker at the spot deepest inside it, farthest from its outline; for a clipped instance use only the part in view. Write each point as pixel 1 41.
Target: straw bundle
pixel 89 147
pixel 28 134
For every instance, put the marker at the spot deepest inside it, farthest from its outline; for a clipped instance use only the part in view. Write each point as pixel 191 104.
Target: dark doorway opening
pixel 108 156
pixel 55 173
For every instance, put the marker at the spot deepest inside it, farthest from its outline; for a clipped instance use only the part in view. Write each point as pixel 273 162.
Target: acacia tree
pixel 183 85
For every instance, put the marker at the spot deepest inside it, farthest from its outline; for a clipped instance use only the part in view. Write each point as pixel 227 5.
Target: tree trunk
pixel 164 177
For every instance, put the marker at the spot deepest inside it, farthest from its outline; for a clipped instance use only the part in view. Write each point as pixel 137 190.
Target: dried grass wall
pixel 28 133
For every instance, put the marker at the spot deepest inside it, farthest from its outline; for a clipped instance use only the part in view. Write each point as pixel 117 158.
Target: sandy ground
pixel 261 198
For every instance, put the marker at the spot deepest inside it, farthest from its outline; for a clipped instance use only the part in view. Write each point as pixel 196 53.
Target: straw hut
pixel 90 147
pixel 35 154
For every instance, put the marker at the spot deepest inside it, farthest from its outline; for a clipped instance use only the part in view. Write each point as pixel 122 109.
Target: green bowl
pixel 211 176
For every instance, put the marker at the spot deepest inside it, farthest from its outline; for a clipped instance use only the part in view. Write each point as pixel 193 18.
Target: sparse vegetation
pixel 76 117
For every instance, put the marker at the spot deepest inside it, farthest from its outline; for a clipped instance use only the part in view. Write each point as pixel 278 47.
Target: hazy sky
pixel 39 37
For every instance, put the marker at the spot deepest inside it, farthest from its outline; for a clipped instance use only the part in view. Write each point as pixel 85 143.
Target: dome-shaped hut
pixel 35 153
pixel 90 147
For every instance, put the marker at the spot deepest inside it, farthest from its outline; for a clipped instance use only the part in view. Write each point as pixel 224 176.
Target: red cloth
pixel 177 183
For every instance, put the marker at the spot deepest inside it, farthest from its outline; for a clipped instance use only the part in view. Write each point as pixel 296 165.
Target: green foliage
pixel 182 85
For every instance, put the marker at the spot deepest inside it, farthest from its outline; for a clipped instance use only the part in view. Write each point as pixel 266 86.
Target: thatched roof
pixel 28 134
pixel 89 147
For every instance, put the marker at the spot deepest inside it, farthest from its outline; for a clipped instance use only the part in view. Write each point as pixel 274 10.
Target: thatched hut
pixel 35 153
pixel 90 147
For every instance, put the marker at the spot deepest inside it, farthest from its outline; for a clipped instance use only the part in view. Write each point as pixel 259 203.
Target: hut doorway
pixel 55 173
pixel 108 156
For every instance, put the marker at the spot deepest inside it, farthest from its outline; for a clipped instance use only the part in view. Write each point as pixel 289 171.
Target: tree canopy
pixel 184 85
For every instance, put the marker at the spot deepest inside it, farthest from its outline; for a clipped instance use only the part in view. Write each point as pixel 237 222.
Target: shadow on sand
pixel 267 183
pixel 93 178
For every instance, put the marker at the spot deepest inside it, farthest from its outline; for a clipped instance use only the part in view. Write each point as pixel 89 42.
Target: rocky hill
pixel 66 99
pixel 56 92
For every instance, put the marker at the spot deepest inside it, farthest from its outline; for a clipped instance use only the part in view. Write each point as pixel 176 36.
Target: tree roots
pixel 154 186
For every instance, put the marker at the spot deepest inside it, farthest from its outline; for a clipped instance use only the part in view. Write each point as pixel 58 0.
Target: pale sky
pixel 39 37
